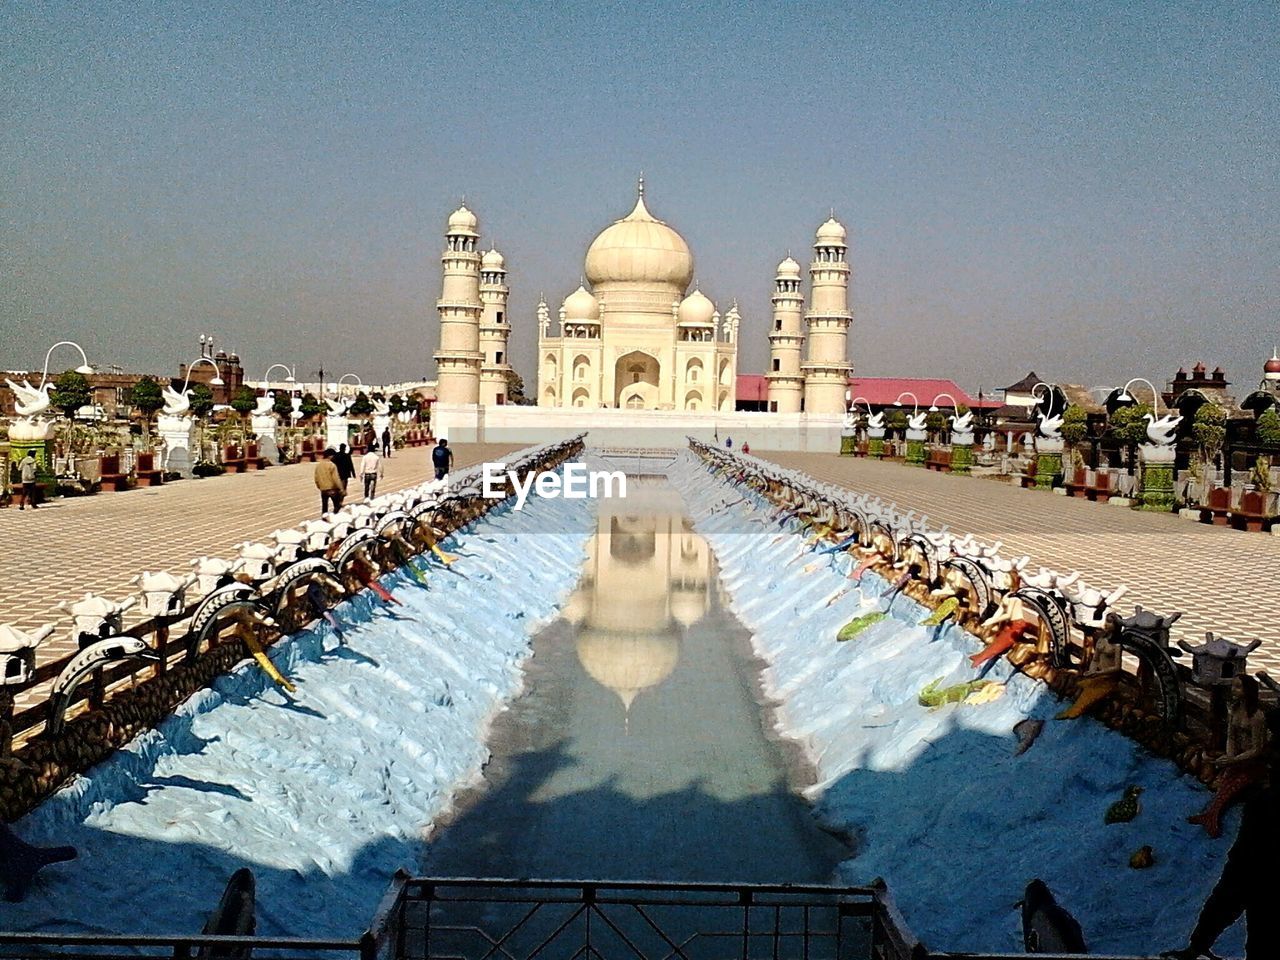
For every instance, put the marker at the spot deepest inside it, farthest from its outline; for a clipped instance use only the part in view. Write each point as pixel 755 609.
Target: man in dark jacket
pixel 346 468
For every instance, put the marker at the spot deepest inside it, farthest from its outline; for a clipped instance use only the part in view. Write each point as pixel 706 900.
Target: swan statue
pixel 176 404
pixel 29 400
pixel 1162 432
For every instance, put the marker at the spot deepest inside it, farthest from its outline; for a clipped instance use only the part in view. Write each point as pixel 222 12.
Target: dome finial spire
pixel 640 185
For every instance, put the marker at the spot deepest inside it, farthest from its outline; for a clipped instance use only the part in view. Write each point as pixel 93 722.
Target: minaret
pixel 458 359
pixel 495 329
pixel 826 372
pixel 786 382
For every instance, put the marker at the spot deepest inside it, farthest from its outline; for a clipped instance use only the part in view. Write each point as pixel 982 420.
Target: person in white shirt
pixel 371 470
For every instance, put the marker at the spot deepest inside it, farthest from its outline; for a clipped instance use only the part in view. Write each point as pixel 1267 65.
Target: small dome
pixel 1272 367
pixel 462 220
pixel 788 269
pixel 492 260
pixel 831 232
pixel 581 305
pixel 696 308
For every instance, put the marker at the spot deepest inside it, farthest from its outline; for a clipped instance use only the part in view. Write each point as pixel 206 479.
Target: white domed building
pixel 631 336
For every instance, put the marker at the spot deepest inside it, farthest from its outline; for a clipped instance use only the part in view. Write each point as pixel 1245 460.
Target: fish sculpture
pixel 931 696
pixel 1142 858
pixel 1027 731
pixel 946 609
pixel 897 585
pixel 1126 808
pixel 858 624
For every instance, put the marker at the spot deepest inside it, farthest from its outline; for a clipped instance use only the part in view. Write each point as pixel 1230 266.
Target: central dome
pixel 640 249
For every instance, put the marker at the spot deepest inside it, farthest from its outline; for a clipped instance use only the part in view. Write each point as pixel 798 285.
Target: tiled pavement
pixel 1223 580
pixel 69 547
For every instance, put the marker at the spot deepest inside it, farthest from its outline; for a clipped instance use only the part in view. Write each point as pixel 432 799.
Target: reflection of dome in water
pixel 628 663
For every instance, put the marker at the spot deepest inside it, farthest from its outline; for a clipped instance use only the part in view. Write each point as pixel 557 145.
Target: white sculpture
pixel 917 423
pixel 175 404
pixel 18 653
pixel 962 423
pixel 162 592
pixel 1162 432
pixel 381 408
pixel 28 400
pixel 263 405
pixel 876 422
pixel 338 407
pixel 1050 427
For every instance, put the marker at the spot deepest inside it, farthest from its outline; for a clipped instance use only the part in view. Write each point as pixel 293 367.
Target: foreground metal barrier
pixel 104 947
pixel 479 919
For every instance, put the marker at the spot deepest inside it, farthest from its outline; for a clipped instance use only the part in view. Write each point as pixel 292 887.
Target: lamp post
pixel 961 438
pixel 1048 446
pixel 84 369
pixel 848 432
pixel 337 424
pixel 263 420
pixel 916 437
pixel 1157 461
pixel 217 380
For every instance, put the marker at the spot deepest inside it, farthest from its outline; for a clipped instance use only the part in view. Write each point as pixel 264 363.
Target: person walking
pixel 370 471
pixel 1247 884
pixel 329 482
pixel 442 459
pixel 28 466
pixel 386 442
pixel 346 469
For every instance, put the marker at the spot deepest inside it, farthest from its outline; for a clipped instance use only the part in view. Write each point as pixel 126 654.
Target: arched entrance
pixel 635 378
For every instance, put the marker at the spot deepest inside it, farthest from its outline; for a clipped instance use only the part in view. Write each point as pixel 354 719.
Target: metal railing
pixel 64 946
pixel 487 919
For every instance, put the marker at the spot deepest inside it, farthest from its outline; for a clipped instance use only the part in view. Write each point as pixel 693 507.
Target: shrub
pixel 1210 430
pixel 207 468
pixel 1269 428
pixel 1075 423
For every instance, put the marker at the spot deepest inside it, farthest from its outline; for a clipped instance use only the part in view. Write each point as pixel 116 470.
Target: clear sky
pixel 1086 189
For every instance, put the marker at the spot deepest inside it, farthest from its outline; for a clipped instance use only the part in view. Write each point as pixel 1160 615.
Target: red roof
pixel 752 386
pixel 879 391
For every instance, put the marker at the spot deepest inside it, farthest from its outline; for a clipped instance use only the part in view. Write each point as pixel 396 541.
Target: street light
pixel 338 385
pixel 266 377
pixel 84 369
pixel 914 399
pixel 933 407
pixel 217 374
pixel 1126 397
pixel 865 402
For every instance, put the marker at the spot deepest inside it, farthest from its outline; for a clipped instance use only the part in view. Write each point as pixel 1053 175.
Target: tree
pixel 896 419
pixel 936 421
pixel 1129 425
pixel 1210 430
pixel 1075 424
pixel 362 407
pixel 70 393
pixel 201 400
pixel 244 400
pixel 148 399
pixel 282 405
pixel 1269 427
pixel 311 406
pixel 413 404
pixel 396 404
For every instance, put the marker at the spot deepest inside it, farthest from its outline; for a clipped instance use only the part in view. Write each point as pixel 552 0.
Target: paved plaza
pixel 71 546
pixel 1223 580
